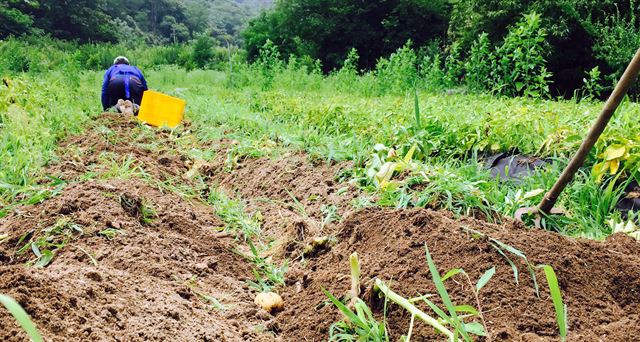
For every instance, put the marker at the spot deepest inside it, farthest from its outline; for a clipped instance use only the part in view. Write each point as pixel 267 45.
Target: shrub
pixel 478 64
pixel 398 73
pixel 617 40
pixel 592 87
pixel 520 64
pixel 432 73
pixel 202 51
pixel 454 65
pixel 269 63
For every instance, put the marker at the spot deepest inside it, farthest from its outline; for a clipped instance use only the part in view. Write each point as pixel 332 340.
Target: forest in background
pixel 576 35
pixel 528 47
pixel 132 21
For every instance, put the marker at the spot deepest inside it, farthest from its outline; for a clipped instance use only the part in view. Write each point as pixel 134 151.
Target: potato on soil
pixel 269 301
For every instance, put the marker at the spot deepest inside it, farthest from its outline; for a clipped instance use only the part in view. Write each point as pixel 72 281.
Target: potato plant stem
pixel 403 302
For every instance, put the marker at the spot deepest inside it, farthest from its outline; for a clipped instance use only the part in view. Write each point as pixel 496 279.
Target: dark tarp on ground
pixel 516 167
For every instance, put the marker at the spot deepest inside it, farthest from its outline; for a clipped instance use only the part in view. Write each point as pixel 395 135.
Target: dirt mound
pixel 114 143
pixel 133 264
pixel 298 199
pixel 600 282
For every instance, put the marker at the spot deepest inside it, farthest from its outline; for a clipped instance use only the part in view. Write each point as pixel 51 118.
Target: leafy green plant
pixel 454 65
pixel 432 72
pixel 203 51
pixel 591 88
pixel 267 274
pixel 232 212
pixel 460 328
pixel 22 317
pixel 49 241
pixel 505 250
pixel 454 315
pixel 269 63
pixel 148 212
pixel 397 73
pixel 478 64
pixel 361 325
pixel 520 65
pixel 552 280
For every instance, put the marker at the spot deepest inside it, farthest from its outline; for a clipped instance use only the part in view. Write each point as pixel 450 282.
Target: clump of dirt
pixel 298 199
pixel 600 281
pixel 113 141
pixel 126 279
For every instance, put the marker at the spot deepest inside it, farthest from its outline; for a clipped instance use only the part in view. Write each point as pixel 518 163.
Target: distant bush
pixel 432 73
pixel 478 64
pixel 202 53
pixel 269 63
pixel 519 67
pixel 617 39
pixel 39 54
pixel 398 72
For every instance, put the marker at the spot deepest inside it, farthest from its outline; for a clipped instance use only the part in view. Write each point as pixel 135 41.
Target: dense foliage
pixel 328 29
pixel 153 21
pixel 41 54
pixel 578 35
pixel 582 34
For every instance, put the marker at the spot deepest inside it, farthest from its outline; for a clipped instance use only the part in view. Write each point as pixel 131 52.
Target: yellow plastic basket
pixel 159 110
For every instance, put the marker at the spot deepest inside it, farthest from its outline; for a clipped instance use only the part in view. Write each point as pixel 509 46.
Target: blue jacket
pixel 120 70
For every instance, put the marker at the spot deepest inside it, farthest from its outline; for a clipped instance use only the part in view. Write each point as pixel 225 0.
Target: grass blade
pixel 416 104
pixel 485 278
pixel 444 295
pixel 514 268
pixel 451 273
pixel 556 297
pixel 22 317
pixel 343 308
pixel 468 309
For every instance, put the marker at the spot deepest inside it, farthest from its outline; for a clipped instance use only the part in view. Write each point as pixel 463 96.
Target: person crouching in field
pixel 123 86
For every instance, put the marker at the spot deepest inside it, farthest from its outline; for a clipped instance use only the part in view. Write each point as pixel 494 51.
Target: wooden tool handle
pixel 627 79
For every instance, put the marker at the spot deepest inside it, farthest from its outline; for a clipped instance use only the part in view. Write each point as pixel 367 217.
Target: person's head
pixel 121 60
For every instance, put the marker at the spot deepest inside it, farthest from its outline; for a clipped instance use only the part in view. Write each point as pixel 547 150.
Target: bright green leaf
pixel 22 317
pixel 485 278
pixel 452 273
pixel 556 297
pixel 475 328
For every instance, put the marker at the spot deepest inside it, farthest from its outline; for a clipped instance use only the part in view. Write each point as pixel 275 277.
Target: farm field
pixel 275 179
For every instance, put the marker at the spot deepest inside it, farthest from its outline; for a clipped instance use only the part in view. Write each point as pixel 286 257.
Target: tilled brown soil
pixel 150 282
pixel 140 288
pixel 600 281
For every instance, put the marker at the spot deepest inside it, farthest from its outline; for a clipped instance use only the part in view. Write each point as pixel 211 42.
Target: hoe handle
pixel 629 76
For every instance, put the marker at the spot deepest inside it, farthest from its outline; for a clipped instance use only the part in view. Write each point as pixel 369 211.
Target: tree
pixel 570 24
pixel 15 18
pixel 329 29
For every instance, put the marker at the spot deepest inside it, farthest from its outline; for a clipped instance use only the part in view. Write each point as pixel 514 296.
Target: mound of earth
pixel 600 281
pixel 144 281
pixel 118 140
pixel 299 200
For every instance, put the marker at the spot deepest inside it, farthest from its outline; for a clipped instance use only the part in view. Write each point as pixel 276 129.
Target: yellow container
pixel 159 110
